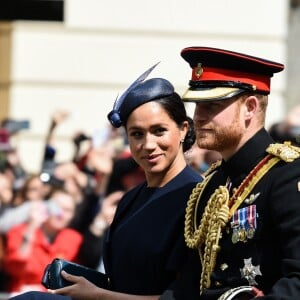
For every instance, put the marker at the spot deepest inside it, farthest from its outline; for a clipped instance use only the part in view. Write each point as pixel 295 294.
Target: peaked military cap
pixel 219 74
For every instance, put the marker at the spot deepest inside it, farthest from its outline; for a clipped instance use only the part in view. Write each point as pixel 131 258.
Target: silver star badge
pixel 250 272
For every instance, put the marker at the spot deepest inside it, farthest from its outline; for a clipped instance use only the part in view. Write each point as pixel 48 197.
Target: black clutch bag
pixel 52 278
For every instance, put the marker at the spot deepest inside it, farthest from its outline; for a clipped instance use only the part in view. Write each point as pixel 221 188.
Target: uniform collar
pixel 247 157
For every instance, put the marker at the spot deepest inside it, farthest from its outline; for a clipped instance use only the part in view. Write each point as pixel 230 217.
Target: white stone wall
pixel 293 86
pixel 82 64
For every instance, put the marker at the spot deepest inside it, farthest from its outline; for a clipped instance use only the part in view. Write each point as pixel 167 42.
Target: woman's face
pixel 154 139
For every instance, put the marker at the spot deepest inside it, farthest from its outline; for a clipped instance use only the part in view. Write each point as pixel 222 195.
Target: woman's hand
pixel 81 289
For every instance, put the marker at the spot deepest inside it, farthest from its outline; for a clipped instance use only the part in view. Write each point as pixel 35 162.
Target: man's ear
pixel 251 107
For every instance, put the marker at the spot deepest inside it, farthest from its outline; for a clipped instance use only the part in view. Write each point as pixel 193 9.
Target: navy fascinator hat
pixel 138 93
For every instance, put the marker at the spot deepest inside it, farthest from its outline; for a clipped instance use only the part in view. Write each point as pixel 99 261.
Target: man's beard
pixel 220 139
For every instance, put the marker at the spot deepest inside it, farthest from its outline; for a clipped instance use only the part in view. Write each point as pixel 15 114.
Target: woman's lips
pixel 152 158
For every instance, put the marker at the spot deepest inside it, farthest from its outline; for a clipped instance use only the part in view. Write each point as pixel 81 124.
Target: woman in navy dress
pixel 144 249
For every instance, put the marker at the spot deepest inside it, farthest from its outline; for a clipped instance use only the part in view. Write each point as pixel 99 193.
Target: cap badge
pixel 249 271
pixel 198 70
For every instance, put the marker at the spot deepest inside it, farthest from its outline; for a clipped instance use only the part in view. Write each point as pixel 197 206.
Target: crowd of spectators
pixel 63 209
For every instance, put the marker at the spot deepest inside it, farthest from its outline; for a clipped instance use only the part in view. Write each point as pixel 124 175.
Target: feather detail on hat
pixel 113 116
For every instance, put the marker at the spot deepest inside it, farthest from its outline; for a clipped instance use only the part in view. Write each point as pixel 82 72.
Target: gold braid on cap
pixel 220 208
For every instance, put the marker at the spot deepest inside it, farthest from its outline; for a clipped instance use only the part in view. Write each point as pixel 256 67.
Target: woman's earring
pixel 182 141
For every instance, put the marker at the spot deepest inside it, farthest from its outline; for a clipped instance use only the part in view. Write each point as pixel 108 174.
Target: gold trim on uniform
pixel 208 95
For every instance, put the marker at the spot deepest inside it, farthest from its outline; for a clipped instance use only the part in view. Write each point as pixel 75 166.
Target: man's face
pixel 219 125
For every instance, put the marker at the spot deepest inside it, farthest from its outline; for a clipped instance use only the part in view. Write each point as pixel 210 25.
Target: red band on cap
pixel 262 82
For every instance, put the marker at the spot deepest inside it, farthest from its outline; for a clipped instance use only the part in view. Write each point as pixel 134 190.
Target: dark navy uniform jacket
pixel 274 250
pixel 145 248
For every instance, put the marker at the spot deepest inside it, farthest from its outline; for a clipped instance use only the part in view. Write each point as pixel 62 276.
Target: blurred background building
pixel 77 55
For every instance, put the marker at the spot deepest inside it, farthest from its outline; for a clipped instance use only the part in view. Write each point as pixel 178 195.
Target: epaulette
pixel 285 151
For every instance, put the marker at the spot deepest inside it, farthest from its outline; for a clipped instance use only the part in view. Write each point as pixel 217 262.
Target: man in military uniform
pixel 243 221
